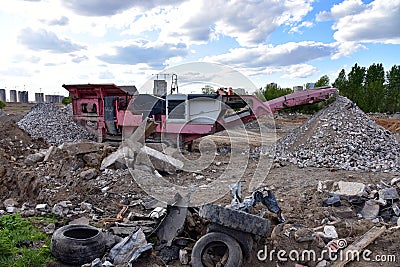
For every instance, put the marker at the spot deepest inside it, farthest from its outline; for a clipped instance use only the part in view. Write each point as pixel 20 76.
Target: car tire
pixel 235 256
pixel 77 244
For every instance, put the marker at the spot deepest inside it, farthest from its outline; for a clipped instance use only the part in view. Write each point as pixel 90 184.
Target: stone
pixel 344 212
pixel 92 159
pixel 80 148
pixel 11 209
pixel 349 188
pixel 183 256
pixel 389 194
pixel 41 207
pixel 34 158
pixel 370 210
pixel 89 174
pixel 49 229
pixel 10 202
pixel 123 231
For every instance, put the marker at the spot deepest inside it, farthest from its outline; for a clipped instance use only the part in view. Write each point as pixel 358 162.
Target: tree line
pixel 372 89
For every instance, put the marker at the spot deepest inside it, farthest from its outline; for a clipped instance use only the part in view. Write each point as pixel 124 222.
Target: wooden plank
pixel 360 243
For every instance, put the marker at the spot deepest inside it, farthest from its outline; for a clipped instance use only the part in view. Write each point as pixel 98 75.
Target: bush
pixel 66 100
pixel 2 105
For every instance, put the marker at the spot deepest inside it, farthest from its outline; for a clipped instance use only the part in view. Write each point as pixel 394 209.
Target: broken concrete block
pixel 370 210
pixel 350 188
pixel 124 231
pixel 120 156
pixel 388 193
pixel 81 147
pixel 159 160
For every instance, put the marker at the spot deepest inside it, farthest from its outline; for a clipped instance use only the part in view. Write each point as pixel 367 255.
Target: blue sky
pixel 47 43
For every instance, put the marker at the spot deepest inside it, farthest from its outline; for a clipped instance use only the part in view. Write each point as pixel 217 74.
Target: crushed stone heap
pixel 55 125
pixel 340 136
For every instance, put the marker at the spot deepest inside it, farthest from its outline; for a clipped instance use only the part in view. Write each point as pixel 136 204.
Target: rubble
pixel 340 136
pixel 53 124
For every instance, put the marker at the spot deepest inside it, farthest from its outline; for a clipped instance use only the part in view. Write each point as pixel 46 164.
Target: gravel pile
pixel 53 124
pixel 341 136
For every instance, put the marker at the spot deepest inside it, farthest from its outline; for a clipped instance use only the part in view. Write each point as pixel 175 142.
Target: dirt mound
pixel 341 136
pixel 54 125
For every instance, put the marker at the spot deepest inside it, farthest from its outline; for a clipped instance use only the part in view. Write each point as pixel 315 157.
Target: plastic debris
pixel 269 200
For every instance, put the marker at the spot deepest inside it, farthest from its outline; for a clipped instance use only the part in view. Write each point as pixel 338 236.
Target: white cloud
pixel 376 22
pixel 343 9
pixel 281 55
pixel 46 40
pixel 299 71
pixel 297 28
pixel 346 49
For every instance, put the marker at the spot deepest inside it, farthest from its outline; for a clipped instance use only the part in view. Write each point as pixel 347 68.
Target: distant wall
pixel 3 95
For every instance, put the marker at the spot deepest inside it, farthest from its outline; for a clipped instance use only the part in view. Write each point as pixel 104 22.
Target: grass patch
pixel 21 243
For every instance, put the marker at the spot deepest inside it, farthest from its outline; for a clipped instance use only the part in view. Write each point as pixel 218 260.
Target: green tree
pixel 374 91
pixel 271 91
pixel 393 89
pixel 2 105
pixel 208 90
pixel 66 100
pixel 342 83
pixel 323 81
pixel 356 79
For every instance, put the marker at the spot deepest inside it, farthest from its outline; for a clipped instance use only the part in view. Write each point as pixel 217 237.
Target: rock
pixel 199 177
pixel 123 231
pixel 80 221
pixel 344 212
pixel 41 207
pixel 304 235
pixel 62 208
pixel 183 256
pixel 388 193
pixel 79 148
pixel 89 174
pixel 396 208
pixel 370 210
pixel 28 213
pixel 349 188
pixel 11 209
pixel 10 202
pixel 86 206
pixel 2 212
pixel 92 159
pixel 34 158
pixel 49 229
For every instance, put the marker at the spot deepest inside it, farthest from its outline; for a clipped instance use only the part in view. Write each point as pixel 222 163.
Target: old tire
pixel 77 244
pixel 212 240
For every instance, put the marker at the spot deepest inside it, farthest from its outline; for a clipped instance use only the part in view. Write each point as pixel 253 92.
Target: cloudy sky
pixel 46 43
